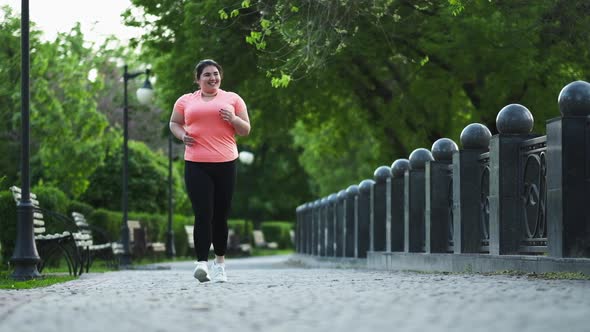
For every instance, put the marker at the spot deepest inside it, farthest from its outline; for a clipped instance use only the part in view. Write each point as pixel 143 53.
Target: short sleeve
pixel 180 104
pixel 239 104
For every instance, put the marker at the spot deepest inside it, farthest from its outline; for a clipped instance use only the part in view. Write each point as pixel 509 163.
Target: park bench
pixel 139 243
pixel 94 243
pixel 260 242
pixel 233 242
pixel 61 243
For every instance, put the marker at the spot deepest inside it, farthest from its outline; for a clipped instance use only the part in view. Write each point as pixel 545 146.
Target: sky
pixel 98 18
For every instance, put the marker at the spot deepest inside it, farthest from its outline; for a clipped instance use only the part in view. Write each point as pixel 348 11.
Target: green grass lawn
pixel 6 281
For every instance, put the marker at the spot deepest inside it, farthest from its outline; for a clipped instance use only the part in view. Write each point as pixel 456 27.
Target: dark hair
pixel 205 63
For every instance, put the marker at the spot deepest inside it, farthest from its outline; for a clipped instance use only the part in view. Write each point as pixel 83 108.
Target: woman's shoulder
pixel 231 95
pixel 190 94
pixel 187 96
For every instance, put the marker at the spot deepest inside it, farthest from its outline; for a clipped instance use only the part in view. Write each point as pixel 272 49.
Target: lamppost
pixel 25 256
pixel 246 158
pixel 170 249
pixel 144 96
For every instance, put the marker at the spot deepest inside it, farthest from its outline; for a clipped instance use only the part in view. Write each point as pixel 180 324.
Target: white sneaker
pixel 218 272
pixel 202 272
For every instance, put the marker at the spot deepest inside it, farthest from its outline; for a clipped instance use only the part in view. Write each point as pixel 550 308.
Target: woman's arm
pixel 240 122
pixel 177 128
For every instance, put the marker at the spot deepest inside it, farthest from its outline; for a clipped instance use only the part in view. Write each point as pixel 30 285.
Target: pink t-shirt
pixel 215 138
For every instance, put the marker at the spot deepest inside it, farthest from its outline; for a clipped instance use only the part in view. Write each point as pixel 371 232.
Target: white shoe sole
pixel 202 275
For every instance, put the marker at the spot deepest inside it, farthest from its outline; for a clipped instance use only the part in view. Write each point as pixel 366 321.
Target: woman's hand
pixel 188 140
pixel 227 115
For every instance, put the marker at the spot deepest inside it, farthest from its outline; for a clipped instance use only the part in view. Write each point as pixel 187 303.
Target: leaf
pixel 223 14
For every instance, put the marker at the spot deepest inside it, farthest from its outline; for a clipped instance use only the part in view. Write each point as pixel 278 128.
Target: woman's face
pixel 210 79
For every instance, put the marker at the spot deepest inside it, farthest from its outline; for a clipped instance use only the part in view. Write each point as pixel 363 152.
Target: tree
pixel 68 136
pixel 188 31
pixel 419 70
pixel 148 178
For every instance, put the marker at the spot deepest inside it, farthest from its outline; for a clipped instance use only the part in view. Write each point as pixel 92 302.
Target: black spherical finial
pixel 443 148
pixel 475 136
pixel 332 198
pixel 366 185
pixel 574 99
pixel 352 190
pixel 399 167
pixel 419 157
pixel 514 119
pixel 382 173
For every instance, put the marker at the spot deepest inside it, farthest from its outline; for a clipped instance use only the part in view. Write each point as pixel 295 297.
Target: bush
pixel 109 221
pixel 238 226
pixel 51 198
pixel 180 236
pixel 80 207
pixel 156 225
pixel 278 231
pixel 8 221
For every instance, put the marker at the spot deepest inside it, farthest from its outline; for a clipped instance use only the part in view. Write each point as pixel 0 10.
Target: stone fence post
pixel 514 123
pixel 381 226
pixel 352 234
pixel 414 191
pixel 351 216
pixel 331 224
pixel 340 219
pixel 315 227
pixel 364 217
pixel 298 227
pixel 467 228
pixel 306 236
pixel 438 179
pixel 568 174
pixel 398 169
pixel 323 226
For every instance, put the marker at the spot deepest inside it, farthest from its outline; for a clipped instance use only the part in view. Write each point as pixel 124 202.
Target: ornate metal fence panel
pixel 484 201
pixel 534 195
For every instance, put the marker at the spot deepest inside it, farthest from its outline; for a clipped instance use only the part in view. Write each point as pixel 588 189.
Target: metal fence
pixel 514 193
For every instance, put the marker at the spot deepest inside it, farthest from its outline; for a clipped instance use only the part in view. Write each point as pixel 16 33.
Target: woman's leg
pixel 200 191
pixel 225 179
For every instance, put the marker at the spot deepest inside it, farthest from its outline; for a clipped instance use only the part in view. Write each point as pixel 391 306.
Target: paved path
pixel 272 294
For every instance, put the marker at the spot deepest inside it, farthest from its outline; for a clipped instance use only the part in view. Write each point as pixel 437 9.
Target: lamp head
pixel 145 94
pixel 246 157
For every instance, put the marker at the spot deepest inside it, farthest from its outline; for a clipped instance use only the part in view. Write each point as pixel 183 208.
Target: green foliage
pixel 147 181
pixel 414 72
pixel 180 236
pixel 8 221
pixel 51 198
pixel 80 207
pixel 156 225
pixel 278 231
pixel 271 112
pixel 242 228
pixel 64 114
pixel 68 135
pixel 109 221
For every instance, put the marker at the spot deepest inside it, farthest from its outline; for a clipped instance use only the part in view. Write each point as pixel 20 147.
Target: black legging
pixel 210 188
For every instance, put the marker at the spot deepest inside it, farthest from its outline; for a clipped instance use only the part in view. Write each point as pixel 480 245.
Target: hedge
pixel 279 232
